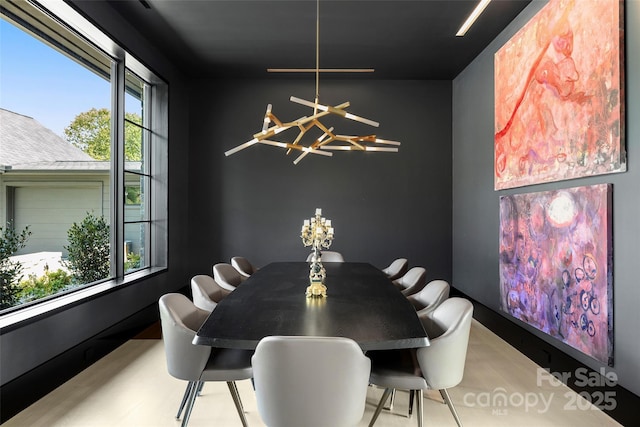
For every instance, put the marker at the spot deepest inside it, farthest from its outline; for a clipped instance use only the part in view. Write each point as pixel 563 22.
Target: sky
pixel 39 82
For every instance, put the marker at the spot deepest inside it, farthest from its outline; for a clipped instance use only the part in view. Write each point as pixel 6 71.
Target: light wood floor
pixel 131 387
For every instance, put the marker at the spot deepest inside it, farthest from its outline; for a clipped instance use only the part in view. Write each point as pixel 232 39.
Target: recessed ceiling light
pixel 472 18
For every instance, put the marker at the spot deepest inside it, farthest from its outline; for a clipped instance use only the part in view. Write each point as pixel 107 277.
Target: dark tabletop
pixel 361 304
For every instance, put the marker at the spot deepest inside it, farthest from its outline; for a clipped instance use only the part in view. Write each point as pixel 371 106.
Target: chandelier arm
pixel 306 119
pixel 321 141
pixel 351 140
pixel 295 147
pixel 373 139
pixel 267 118
pixel 334 110
pixel 274 119
pixel 326 132
pixel 300 157
pixel 318 143
pixel 241 147
pixel 354 148
pixel 303 130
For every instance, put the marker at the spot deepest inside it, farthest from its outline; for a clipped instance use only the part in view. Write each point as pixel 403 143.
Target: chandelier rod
pixel 315 109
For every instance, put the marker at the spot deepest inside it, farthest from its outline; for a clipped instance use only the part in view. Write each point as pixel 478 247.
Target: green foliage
pixel 91 132
pixel 10 272
pixel 88 250
pixel 132 195
pixel 50 283
pixel 132 262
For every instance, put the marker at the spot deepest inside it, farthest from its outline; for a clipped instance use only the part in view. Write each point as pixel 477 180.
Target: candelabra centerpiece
pixel 317 232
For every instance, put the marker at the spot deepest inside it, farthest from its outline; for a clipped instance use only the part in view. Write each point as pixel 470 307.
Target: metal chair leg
pixel 385 395
pixel 236 399
pixel 191 401
pixel 391 400
pixel 190 384
pixel 445 395
pixel 200 385
pixel 412 394
pixel 420 406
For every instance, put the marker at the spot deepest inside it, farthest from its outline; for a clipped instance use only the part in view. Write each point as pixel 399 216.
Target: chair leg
pixel 236 399
pixel 392 399
pixel 445 395
pixel 412 394
pixel 385 395
pixel 184 398
pixel 200 385
pixel 420 406
pixel 237 393
pixel 191 401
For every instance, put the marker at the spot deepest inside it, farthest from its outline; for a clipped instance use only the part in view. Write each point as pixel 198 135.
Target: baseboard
pixel 21 392
pixel 621 404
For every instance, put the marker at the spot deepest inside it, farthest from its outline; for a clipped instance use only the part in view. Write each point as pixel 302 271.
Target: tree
pixel 91 132
pixel 10 271
pixel 89 254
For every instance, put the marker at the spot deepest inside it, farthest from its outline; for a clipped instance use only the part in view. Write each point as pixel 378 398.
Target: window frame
pixel 156 166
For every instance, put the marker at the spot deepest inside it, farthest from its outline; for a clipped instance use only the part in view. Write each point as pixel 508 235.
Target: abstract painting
pixel 556 265
pixel 559 95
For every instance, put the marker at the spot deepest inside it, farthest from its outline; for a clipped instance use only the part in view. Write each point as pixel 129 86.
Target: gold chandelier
pixel 329 140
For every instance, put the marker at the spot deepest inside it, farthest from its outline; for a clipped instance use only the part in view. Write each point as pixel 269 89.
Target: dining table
pixel 361 304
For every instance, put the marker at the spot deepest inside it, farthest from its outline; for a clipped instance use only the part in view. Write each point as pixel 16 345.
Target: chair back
pixel 227 277
pixel 448 326
pixel 430 297
pixel 310 381
pixel 244 267
pixel 328 256
pixel 180 320
pixel 396 269
pixel 412 281
pixel 207 293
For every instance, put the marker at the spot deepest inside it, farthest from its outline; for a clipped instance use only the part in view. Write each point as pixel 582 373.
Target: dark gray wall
pixel 383 205
pixel 475 203
pixel 27 347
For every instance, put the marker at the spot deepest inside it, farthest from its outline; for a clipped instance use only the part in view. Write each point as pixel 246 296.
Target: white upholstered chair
pixel 438 366
pixel 328 256
pixel 206 292
pixel 244 267
pixel 412 281
pixel 430 297
pixel 396 269
pixel 226 276
pixel 310 381
pixel 180 320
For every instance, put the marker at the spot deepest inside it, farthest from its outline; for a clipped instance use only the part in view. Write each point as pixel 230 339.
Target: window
pixel 83 159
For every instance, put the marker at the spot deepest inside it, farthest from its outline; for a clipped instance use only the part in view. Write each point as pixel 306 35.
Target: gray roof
pixel 26 144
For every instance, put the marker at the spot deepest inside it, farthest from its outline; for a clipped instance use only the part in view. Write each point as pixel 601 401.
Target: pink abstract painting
pixel 559 95
pixel 556 265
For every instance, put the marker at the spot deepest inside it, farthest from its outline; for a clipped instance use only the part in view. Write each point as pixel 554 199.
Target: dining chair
pixel 310 381
pixel 412 281
pixel 430 297
pixel 328 256
pixel 206 292
pixel 396 269
pixel 438 366
pixel 226 276
pixel 180 320
pixel 244 267
pixel 425 301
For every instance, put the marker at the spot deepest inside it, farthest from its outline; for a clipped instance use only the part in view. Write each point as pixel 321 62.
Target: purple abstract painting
pixel 556 265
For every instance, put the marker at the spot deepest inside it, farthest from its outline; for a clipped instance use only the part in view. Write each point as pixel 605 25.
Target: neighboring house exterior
pixel 47 183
